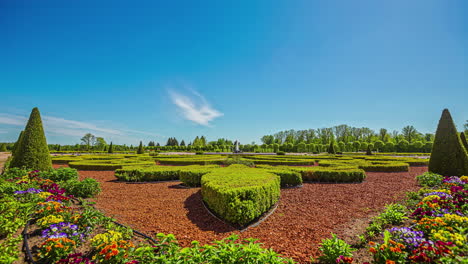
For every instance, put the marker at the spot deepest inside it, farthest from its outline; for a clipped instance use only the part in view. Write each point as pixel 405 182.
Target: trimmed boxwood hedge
pixel 239 194
pixel 104 165
pixel 164 173
pixel 288 177
pixel 183 161
pixel 65 160
pixel 293 162
pixel 331 174
pixel 385 167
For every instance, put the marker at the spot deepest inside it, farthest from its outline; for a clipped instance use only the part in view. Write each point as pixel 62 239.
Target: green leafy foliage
pixel 140 150
pixel 230 250
pixel 332 248
pixel 240 194
pixel 60 174
pixel 429 179
pixel 86 188
pixel 448 157
pixel 32 151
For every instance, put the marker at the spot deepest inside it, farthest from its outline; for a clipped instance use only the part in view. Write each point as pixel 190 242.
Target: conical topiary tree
pixel 32 151
pixel 140 148
pixel 111 149
pixel 463 140
pixel 17 143
pixel 369 151
pixel 448 156
pixel 331 148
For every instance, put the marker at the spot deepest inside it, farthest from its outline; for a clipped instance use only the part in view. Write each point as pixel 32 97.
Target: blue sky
pixel 149 70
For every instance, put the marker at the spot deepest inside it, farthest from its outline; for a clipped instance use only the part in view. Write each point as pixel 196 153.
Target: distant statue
pixel 236 147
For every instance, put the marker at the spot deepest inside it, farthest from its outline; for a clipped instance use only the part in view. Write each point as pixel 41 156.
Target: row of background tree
pixel 346 138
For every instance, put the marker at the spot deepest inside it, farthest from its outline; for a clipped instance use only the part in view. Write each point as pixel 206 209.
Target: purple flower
pixel 406 236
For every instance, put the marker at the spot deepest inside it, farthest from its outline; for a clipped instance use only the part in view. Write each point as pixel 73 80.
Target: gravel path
pixel 304 216
pixel 3 157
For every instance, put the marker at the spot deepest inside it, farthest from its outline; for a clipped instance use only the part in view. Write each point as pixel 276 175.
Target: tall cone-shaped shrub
pixel 448 157
pixel 368 151
pixel 331 148
pixel 111 149
pixel 463 140
pixel 140 148
pixel 17 143
pixel 32 151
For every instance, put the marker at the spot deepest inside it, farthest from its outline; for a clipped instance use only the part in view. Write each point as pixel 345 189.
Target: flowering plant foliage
pixel 76 258
pixel 53 249
pixel 389 250
pixel 408 237
pixel 114 252
pixel 63 229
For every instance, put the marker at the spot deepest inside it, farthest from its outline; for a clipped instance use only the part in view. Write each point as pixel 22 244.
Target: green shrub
pixel 280 153
pixel 12 173
pixel 153 173
pixel 32 151
pixel 111 149
pixel 192 177
pixel 448 157
pixel 140 150
pixel 384 167
pixel 103 165
pixel 240 194
pixel 238 160
pixel 191 161
pixel 60 174
pixel 340 174
pixel 65 160
pixel 333 248
pixel 394 214
pixel 86 188
pixel 429 179
pixel 288 178
pixel 463 140
pixel 291 162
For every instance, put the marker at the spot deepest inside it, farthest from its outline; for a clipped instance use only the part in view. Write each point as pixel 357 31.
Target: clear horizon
pixel 237 71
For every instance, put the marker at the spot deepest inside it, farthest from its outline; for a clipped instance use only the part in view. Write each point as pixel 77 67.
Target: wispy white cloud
pixel 12 120
pixel 195 108
pixel 65 124
pixel 64 127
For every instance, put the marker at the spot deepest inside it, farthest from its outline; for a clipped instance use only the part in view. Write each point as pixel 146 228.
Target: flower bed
pixel 63 231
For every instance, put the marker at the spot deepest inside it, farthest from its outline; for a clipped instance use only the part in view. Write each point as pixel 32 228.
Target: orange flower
pixel 372 243
pixel 395 249
pixel 373 250
pixel 389 261
pixel 383 246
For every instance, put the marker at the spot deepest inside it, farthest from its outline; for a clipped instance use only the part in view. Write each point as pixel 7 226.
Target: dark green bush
pixel 384 167
pixel 341 174
pixel 86 188
pixel 280 153
pixel 153 173
pixel 32 151
pixel 240 194
pixel 192 177
pixel 288 178
pixel 448 157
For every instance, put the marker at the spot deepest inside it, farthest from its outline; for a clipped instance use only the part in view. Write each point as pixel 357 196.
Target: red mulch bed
pixel 304 216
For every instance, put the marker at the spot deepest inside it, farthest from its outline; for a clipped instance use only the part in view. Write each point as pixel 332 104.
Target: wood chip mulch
pixel 303 218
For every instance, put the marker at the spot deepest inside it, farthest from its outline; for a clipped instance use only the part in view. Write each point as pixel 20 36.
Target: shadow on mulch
pixel 198 215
